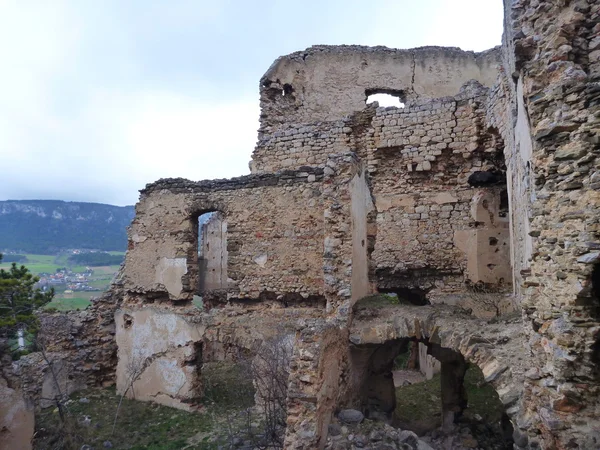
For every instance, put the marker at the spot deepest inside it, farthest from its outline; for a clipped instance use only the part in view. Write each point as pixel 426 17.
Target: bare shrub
pixel 231 388
pixel 68 434
pixel 134 369
pixel 270 371
pixel 489 298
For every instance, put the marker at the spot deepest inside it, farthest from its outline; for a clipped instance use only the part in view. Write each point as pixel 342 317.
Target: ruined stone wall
pixel 16 411
pixel 325 83
pixel 382 196
pixel 304 145
pixel 428 227
pixel 310 99
pixel 517 155
pixel 291 239
pixel 80 351
pixel 552 69
pixel 271 247
pixel 163 345
pixel 419 159
pixel 158 355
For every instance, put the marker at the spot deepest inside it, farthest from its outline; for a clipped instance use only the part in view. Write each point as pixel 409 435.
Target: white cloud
pixel 99 98
pixel 468 24
pixel 122 141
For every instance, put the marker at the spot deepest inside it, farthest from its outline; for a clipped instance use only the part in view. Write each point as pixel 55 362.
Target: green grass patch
pixel 105 270
pixel 378 301
pixel 100 284
pixel 68 304
pixel 227 385
pixel 483 398
pixel 144 425
pixel 40 259
pixel 401 361
pixel 419 405
pixel 140 425
pixel 38 264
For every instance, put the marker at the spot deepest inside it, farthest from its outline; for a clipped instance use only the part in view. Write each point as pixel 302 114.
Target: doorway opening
pixel 212 253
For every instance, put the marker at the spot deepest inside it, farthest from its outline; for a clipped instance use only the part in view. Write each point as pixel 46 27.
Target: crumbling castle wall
pixel 486 176
pixel 371 198
pixel 16 411
pixel 277 257
pixel 430 227
pixel 309 99
pixel 419 157
pixel 551 76
pixel 271 249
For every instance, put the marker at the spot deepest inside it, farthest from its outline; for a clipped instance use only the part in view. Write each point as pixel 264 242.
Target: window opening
pixel 385 97
pixel 212 252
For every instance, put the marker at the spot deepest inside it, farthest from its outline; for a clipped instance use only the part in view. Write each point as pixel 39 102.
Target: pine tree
pixel 19 299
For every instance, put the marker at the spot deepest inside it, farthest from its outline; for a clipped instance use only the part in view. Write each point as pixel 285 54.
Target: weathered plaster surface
pixel 154 350
pixel 327 82
pixel 169 272
pixel 361 206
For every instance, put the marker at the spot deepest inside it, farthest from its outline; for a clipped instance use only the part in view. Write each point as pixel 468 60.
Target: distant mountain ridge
pixel 49 226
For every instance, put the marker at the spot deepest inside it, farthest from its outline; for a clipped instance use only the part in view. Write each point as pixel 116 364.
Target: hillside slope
pixel 48 226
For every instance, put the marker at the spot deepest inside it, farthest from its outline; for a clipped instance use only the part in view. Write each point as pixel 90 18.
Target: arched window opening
pixel 385 97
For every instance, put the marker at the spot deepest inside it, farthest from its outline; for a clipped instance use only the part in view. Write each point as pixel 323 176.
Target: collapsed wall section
pixel 309 99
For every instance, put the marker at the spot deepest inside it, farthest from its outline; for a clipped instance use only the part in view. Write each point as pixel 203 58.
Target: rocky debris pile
pixel 352 431
pixel 468 437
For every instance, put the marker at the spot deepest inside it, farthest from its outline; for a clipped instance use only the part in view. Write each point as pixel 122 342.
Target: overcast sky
pixel 100 97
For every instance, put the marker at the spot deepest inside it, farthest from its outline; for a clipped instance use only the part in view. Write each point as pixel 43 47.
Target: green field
pixel 76 300
pixel 48 264
pixel 101 278
pixel 68 304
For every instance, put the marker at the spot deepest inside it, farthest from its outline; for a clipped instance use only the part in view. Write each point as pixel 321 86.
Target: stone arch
pixel 446 331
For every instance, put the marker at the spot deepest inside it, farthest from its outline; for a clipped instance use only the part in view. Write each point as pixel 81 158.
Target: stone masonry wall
pixel 420 158
pixel 271 248
pixel 310 100
pixel 325 83
pixel 552 69
pixel 347 197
